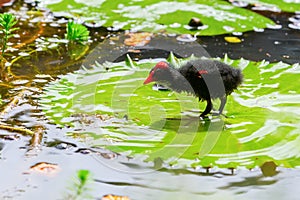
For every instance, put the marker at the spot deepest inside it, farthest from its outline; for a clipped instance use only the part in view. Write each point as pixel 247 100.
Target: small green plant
pixel 7 21
pixel 79 189
pixel 83 177
pixel 77 32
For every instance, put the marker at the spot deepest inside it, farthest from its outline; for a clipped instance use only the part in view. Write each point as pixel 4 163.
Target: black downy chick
pixel 203 78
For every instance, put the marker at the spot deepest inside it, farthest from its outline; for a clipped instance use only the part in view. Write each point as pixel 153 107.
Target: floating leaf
pixel 114 197
pixel 279 5
pixel 262 123
pixel 217 17
pixel 233 39
pixel 45 168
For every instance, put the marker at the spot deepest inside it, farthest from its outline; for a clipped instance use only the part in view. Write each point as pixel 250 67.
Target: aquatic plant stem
pixel 4 44
pixel 5 85
pixel 23 131
pixel 15 60
pixel 37 136
pixel 13 103
pixel 33 38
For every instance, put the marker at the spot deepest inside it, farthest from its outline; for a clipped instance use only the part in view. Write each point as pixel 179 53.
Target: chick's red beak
pixel 149 79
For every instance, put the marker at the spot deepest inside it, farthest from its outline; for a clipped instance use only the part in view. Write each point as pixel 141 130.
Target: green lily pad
pixel 110 105
pixel 218 17
pixel 279 5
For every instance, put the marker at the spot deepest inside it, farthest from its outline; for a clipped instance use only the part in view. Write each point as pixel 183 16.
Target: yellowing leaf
pixel 232 39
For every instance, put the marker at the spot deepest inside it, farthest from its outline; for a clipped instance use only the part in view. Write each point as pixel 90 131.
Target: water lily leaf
pixel 261 126
pixel 217 17
pixel 279 5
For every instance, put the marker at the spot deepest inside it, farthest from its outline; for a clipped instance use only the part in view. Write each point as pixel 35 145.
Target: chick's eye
pixel 158 70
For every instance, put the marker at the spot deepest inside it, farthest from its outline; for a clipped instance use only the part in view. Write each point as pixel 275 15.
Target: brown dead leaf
pixel 138 39
pixel 114 197
pixel 45 168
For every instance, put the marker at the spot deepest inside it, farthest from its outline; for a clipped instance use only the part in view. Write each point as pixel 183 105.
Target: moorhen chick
pixel 203 78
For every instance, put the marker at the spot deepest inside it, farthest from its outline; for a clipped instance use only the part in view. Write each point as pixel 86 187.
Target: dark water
pixel 115 173
pixel 273 45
